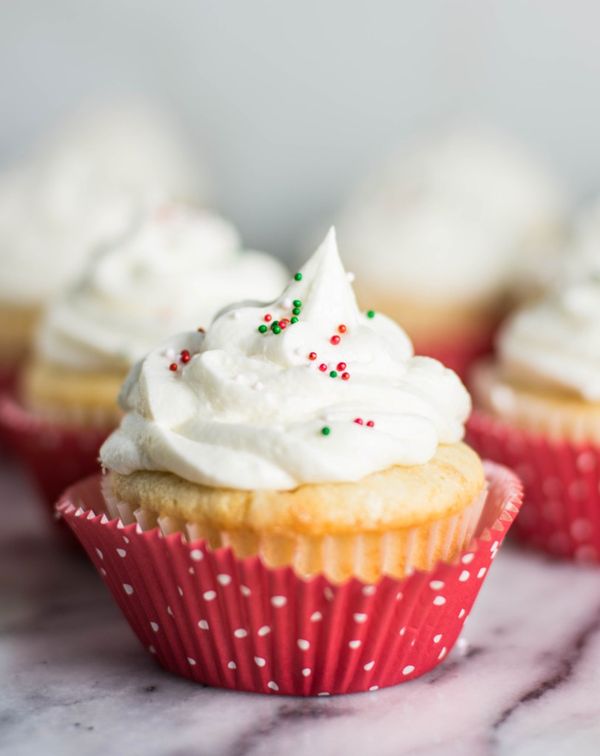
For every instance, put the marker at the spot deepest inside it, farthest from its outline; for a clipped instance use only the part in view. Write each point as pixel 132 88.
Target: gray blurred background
pixel 291 101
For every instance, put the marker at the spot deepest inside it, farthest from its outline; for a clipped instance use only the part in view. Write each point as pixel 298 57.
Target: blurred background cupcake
pixel 78 189
pixel 450 233
pixel 172 271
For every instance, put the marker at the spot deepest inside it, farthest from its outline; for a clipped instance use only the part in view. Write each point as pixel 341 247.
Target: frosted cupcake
pixel 539 410
pixel 77 191
pixel 174 270
pixel 301 449
pixel 448 234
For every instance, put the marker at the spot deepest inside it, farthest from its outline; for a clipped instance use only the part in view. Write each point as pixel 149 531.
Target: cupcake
pixel 174 270
pixel 538 409
pixel 446 236
pixel 317 500
pixel 77 191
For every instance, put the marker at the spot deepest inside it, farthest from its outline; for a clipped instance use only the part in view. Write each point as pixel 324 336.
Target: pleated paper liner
pixel 235 623
pixel 561 514
pixel 55 455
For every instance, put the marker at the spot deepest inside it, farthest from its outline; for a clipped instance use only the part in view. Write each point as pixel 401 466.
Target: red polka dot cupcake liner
pixel 458 355
pixel 561 514
pixel 235 623
pixel 55 456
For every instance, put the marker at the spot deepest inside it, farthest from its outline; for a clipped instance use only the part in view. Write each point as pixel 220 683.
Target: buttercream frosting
pixel 460 216
pixel 333 397
pixel 79 190
pixel 173 271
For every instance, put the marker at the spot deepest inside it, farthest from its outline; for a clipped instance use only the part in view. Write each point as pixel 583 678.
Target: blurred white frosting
pixel 81 188
pixel 462 215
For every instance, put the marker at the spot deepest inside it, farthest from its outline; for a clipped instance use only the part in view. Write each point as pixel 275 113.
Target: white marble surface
pixel 73 680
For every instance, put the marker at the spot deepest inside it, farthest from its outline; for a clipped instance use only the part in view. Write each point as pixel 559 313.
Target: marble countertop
pixel 524 679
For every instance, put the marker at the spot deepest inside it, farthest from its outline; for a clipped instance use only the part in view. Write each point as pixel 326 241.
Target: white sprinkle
pixel 482 572
pixel 152 649
pixel 100 554
pixel 437 638
pixel 368 590
pixel 436 585
pixel 439 601
pixel 244 590
pixel 354 644
pixel 328 593
pixel 170 611
pixel 408 669
pixel 462 613
pixel 264 630
pixel 128 588
pixel 191 661
pixel 306 672
pixel 272 685
pixel 196 555
pixel 402 630
pixel 399 596
pixel 278 601
pixel 203 624
pixel 154 626
pixel 240 632
pixel 191 571
pixel 316 617
pixel 180 590
pixel 359 617
pixel 103 572
pixel 125 539
pixel 122 553
pixel 209 595
pixel 464 576
pixel 323 693
pixel 224 579
pixel 369 666
pixel 468 558
pixel 374 687
pixel 231 665
pixel 443 653
pixel 303 645
pixel 259 661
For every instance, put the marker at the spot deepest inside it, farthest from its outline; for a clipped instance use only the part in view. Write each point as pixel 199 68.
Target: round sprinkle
pixel 333 374
pixel 173 367
pixel 342 328
pixel 298 277
pixel 359 420
pixel 296 310
pixel 294 320
pixel 322 367
pixel 283 323
pixel 335 339
pixel 345 376
pixel 262 328
pixel 185 356
pixel 341 366
pixel 275 328
pixel 370 313
pixel 325 430
pixel 370 424
pixel 312 356
pixel 268 318
pixel 297 303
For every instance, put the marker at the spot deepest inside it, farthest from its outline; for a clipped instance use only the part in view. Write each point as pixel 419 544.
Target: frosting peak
pixel 306 389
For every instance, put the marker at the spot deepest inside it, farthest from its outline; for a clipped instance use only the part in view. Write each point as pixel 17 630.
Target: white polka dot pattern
pixel 236 623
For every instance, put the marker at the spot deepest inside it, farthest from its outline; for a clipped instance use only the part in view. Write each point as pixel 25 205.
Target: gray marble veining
pixel 524 680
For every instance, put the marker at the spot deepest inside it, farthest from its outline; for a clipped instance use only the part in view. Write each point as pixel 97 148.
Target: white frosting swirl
pixel 80 190
pixel 174 271
pixel 557 341
pixel 460 216
pixel 249 408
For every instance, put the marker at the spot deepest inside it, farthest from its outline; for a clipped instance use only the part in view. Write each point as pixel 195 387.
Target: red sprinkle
pixel 358 420
pixel 173 367
pixel 341 366
pixel 185 356
pixel 370 424
pixel 268 318
pixel 322 367
pixel 335 339
pixel 342 328
pixel 284 323
pixel 312 356
pixel 345 376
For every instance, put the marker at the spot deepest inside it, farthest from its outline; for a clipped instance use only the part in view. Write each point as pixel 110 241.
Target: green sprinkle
pixel 370 313
pixel 262 329
pixel 333 374
pixel 275 328
pixel 298 277
pixel 297 310
pixel 325 430
pixel 294 320
pixel 297 303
